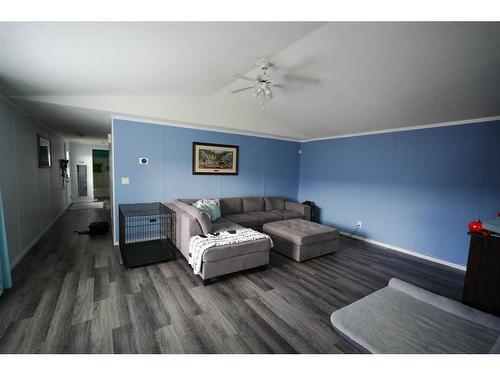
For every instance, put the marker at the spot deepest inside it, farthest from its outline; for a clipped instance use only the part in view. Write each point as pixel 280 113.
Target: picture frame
pixel 215 159
pixel 44 152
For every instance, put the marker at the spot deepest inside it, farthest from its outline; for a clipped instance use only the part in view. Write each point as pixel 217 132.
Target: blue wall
pixel 414 189
pixel 266 166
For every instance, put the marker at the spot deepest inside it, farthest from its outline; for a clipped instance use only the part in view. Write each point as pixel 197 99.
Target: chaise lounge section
pixel 237 213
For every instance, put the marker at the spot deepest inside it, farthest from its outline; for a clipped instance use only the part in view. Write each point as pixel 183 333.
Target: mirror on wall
pixel 81 171
pixel 44 152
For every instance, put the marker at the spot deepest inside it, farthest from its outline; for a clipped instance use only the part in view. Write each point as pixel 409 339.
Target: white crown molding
pixel 187 125
pixel 260 135
pixel 415 254
pixel 178 124
pixel 407 128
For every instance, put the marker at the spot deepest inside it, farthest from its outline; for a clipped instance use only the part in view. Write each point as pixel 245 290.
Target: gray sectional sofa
pixel 237 213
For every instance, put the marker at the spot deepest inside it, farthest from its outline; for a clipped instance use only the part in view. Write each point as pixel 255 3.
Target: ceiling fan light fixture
pixel 263 83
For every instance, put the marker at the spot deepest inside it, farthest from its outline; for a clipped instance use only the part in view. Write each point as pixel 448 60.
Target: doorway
pixel 100 174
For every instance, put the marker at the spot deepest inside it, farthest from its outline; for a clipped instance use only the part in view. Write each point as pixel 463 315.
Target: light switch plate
pixel 125 181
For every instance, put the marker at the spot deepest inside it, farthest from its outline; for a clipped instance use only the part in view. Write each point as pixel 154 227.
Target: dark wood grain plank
pixel 123 340
pixel 142 327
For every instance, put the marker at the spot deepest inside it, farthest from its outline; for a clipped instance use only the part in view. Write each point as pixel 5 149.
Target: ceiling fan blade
pixel 241 76
pixel 298 79
pixel 283 85
pixel 287 85
pixel 243 89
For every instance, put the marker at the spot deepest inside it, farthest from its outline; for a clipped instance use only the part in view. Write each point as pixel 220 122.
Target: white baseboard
pixel 37 238
pixel 409 252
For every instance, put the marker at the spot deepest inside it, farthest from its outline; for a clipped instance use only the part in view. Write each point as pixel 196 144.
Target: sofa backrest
pixel 274 203
pixel 246 204
pixel 233 206
pixel 230 206
pixel 188 201
pixel 252 204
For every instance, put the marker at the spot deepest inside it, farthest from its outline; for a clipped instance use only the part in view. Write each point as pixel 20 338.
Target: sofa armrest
pixel 186 226
pixel 302 209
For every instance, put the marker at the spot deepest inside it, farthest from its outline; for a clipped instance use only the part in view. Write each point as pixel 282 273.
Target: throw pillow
pixel 210 207
pixel 214 208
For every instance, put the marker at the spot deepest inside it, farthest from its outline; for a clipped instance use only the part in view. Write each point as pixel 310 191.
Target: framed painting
pixel 209 158
pixel 44 152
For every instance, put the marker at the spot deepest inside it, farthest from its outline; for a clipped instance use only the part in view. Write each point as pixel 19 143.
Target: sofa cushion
pixel 230 206
pixel 222 225
pixel 287 214
pixel 251 204
pixel 274 203
pixel 202 217
pixel 265 216
pixel 243 219
pixel 218 253
pixel 301 232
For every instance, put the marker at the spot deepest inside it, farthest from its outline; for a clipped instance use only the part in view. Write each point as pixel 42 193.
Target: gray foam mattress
pixel 402 318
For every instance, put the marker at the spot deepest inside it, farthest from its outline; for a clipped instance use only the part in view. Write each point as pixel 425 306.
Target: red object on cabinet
pixel 476 226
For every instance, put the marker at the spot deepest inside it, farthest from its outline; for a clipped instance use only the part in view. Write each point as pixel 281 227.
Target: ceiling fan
pixel 262 84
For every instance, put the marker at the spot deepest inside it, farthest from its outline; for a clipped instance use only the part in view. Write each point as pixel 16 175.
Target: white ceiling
pixel 349 77
pixel 168 58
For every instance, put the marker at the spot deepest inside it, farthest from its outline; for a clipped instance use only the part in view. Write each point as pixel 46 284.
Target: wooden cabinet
pixel 482 278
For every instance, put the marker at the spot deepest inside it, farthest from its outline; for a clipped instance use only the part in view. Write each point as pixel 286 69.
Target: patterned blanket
pixel 199 244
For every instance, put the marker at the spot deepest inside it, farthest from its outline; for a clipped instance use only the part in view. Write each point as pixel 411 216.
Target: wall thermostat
pixel 143 161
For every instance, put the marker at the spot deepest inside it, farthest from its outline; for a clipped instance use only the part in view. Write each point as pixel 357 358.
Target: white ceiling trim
pixel 177 124
pixel 416 127
pixel 260 135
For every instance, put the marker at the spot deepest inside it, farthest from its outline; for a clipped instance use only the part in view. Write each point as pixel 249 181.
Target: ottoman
pixel 302 239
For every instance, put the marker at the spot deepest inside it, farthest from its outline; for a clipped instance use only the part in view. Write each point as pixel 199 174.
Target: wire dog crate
pixel 147 234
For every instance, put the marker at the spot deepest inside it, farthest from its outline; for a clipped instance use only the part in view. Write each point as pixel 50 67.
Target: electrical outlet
pixel 359 224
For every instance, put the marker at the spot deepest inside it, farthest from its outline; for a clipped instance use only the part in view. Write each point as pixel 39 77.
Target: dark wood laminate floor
pixel 71 295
